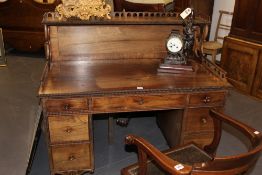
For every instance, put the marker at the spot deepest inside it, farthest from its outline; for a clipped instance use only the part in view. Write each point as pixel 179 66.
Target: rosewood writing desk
pixel 110 66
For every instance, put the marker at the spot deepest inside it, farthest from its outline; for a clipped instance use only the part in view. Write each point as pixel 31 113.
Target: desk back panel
pixel 109 42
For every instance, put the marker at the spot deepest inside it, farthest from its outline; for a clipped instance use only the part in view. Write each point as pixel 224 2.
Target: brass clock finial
pixel 83 9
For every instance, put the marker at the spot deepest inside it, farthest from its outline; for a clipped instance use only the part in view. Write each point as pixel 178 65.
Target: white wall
pixel 227 5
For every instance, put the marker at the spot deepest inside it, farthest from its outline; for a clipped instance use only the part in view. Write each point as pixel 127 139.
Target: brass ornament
pixel 83 9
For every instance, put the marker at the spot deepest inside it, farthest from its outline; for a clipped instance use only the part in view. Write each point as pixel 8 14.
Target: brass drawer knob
pixel 204 120
pixel 207 99
pixel 71 158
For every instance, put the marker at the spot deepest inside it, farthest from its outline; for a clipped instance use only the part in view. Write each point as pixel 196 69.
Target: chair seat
pixel 150 1
pixel 188 154
pixel 212 45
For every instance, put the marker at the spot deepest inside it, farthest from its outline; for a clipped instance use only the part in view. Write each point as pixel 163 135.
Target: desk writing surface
pixel 88 78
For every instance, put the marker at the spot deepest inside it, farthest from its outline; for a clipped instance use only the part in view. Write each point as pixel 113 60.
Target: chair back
pixel 236 164
pixel 223 25
pixel 227 165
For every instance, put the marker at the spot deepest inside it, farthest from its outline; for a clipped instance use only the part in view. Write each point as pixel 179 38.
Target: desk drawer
pixel 66 105
pixel 68 128
pixel 206 99
pixel 72 157
pixel 138 103
pixel 198 120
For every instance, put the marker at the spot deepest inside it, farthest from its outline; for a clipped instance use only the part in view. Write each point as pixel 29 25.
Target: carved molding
pixel 83 9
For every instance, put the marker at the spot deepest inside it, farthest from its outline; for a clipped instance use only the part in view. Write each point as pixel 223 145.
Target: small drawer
pixel 201 140
pixel 68 128
pixel 72 157
pixel 198 120
pixel 138 103
pixel 66 105
pixel 205 99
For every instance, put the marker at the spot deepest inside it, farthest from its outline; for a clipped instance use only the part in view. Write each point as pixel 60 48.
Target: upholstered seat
pixel 211 45
pixel 189 154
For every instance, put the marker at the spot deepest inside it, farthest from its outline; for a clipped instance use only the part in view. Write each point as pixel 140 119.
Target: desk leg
pixel 110 129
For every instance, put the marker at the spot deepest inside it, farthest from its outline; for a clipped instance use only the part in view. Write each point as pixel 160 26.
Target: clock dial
pixel 174 44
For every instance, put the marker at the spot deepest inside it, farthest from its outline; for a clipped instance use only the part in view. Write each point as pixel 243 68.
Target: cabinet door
pixel 239 59
pixel 246 20
pixel 257 88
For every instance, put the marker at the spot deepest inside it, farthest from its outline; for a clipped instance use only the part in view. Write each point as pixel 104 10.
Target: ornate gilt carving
pixel 83 9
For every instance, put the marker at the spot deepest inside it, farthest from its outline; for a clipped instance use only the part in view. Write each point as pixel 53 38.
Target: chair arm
pixel 168 164
pixel 254 136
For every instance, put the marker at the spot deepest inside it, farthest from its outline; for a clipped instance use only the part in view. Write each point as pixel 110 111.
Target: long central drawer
pixel 138 103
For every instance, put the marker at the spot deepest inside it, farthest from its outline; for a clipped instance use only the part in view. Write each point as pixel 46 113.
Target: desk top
pixel 114 77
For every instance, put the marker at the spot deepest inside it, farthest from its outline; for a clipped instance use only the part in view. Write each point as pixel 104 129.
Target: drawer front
pixel 206 99
pixel 138 103
pixel 198 120
pixel 72 157
pixel 201 140
pixel 68 128
pixel 66 105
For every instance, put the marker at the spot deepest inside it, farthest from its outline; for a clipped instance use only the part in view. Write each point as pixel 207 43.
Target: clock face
pixel 174 44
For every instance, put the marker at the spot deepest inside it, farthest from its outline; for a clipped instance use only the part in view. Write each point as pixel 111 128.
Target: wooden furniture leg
pixel 2 50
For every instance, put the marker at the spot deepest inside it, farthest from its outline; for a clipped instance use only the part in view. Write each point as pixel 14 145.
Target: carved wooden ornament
pixel 83 9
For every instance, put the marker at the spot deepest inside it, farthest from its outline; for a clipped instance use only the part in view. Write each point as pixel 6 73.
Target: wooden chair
pixel 214 48
pixel 143 5
pixel 2 51
pixel 191 160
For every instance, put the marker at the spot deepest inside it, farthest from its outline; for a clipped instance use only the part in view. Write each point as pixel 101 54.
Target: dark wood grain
pixel 241 61
pixel 66 105
pixel 246 20
pixel 68 128
pixel 71 157
pixel 80 77
pixel 109 66
pixel 21 23
pixel 201 7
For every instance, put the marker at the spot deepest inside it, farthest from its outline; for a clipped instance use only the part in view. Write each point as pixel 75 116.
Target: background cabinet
pixel 202 7
pixel 21 22
pixel 243 62
pixel 242 50
pixel 246 23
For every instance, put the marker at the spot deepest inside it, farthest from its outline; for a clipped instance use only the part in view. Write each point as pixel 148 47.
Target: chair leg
pixel 214 54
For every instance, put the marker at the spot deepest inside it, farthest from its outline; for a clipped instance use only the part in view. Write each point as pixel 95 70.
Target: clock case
pixel 176 62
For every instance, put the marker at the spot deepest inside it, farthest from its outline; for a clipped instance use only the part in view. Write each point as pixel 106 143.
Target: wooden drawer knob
pixel 204 120
pixel 140 101
pixel 71 158
pixel 69 130
pixel 207 99
pixel 67 107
